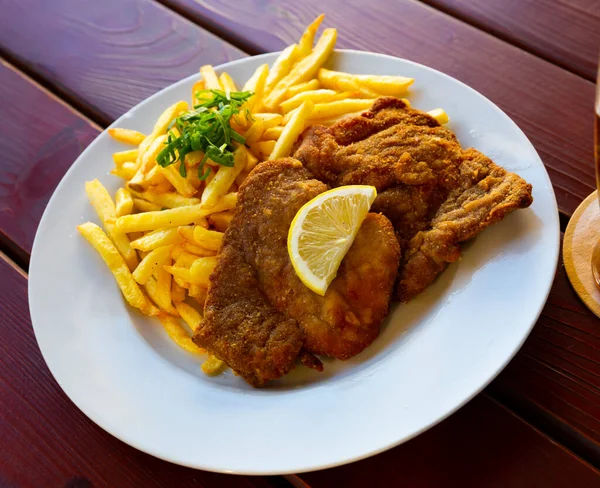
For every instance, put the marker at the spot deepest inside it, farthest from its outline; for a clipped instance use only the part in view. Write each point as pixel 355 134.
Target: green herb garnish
pixel 206 128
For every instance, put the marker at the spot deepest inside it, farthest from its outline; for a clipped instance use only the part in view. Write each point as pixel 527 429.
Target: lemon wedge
pixel 324 229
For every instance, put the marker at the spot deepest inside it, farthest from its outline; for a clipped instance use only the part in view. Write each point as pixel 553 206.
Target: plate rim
pixel 262 472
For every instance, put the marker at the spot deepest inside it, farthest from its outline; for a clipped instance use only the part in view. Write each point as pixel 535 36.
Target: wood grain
pixel 46 441
pixel 41 137
pixel 551 105
pixel 105 57
pixel 557 372
pixel 564 32
pixel 483 444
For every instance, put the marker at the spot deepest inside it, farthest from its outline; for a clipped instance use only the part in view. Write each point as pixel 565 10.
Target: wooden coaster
pixel 580 239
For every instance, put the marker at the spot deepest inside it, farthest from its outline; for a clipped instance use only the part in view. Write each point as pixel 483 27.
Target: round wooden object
pixel 581 237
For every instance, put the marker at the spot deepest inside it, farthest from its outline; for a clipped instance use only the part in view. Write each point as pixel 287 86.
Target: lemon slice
pixel 323 230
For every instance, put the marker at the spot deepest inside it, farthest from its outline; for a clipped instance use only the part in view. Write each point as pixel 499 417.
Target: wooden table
pixel 70 67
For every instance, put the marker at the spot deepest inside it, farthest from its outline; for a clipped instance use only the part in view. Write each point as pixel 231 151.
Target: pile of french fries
pixel 162 231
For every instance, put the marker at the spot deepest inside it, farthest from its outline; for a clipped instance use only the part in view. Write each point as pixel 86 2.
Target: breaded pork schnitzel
pixel 259 317
pixel 435 193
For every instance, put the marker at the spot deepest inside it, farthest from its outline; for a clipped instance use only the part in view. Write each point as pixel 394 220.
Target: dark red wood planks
pixel 41 137
pixel 565 33
pixel 104 57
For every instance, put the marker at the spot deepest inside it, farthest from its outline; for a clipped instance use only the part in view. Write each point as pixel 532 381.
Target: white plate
pixel 432 356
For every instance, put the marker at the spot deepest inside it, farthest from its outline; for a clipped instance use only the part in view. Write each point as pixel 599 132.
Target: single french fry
pixel 201 269
pixel 208 239
pixel 211 80
pixel 126 135
pixel 183 284
pixel 255 131
pixel 147 160
pixel 197 87
pixel 221 220
pixel 251 159
pixel 166 200
pixel 304 70
pixel 123 156
pixel 222 181
pixel 227 82
pixel 154 259
pixel 199 293
pixel 332 120
pixel 173 217
pixel 163 288
pixel 292 130
pixel 179 335
pixel 196 250
pixel 268 120
pixel 184 258
pixel 189 314
pixel 315 96
pixel 307 40
pixel 272 134
pixel 107 212
pixel 212 366
pixel 380 84
pixel 256 85
pixel 181 184
pixel 440 115
pixel 123 202
pixel 177 294
pixel 187 232
pixel 156 239
pixel 202 222
pixel 145 206
pixel 302 87
pixel 263 149
pixel 154 177
pixel 164 121
pixel 126 171
pixel 340 107
pixel 281 67
pixel 193 158
pixel 117 265
pixel 181 273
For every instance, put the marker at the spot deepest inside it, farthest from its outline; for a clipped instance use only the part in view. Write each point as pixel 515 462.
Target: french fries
pixel 115 262
pixel 167 222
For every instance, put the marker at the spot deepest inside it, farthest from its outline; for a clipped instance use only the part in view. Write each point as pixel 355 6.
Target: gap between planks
pixel 433 4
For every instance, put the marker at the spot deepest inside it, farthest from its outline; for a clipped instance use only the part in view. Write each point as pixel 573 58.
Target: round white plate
pixel 432 355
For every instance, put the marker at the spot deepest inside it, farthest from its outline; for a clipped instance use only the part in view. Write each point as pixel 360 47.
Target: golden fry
pixel 184 258
pixel 187 232
pixel 123 202
pixel 307 40
pixel 281 67
pixel 223 179
pixel 221 220
pixel 213 366
pixel 292 130
pixel 198 251
pixel 211 79
pixel 304 70
pixel 163 288
pixel 179 335
pixel 167 199
pixel 340 107
pixel 315 96
pixel 181 184
pixel 255 131
pixel 197 87
pixel 123 156
pixel 227 82
pixel 126 171
pixel 380 84
pixel 440 115
pixel 154 259
pixel 145 206
pixel 273 133
pixel 201 269
pixel 302 87
pixel 263 149
pixel 158 238
pixel 113 259
pixel 177 294
pixel 199 293
pixel 147 159
pixel 268 120
pixel 126 135
pixel 256 85
pixel 208 239
pixel 107 212
pixel 189 314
